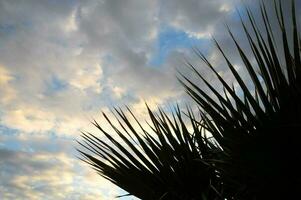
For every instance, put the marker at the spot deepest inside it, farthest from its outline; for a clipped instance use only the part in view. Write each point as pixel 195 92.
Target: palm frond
pixel 245 146
pixel 261 135
pixel 166 163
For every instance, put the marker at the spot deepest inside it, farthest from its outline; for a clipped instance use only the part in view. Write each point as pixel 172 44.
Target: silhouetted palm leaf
pixel 260 136
pixel 164 164
pixel 253 150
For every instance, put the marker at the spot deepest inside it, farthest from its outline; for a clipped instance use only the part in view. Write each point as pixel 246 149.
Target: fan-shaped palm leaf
pixel 260 135
pixel 164 164
pixel 254 150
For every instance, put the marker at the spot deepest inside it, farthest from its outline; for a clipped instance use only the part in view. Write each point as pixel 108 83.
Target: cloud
pixel 197 18
pixel 83 60
pixel 87 78
pixel 7 91
pixel 29 119
pixel 41 174
pixel 5 77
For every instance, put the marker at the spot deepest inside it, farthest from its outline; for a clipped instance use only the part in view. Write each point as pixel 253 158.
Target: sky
pixel 62 62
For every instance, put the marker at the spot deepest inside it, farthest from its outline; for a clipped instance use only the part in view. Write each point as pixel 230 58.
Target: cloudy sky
pixel 64 61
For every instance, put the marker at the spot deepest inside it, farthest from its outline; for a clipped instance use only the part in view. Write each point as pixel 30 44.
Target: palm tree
pixel 246 144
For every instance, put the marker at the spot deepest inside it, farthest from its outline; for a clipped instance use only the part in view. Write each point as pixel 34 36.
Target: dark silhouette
pixel 246 146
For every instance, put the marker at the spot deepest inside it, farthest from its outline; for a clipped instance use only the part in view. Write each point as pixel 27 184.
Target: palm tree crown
pixel 246 145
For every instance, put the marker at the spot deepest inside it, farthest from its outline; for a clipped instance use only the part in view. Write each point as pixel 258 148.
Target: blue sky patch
pixel 11 143
pixel 7 29
pixel 56 84
pixel 170 39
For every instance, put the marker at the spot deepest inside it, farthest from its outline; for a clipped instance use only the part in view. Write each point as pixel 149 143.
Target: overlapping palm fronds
pixel 254 152
pixel 163 164
pixel 260 133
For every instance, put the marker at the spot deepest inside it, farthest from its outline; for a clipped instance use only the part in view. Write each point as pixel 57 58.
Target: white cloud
pixel 87 78
pixel 8 93
pixel 197 18
pixel 49 175
pixel 118 91
pixel 29 119
pixel 5 77
pixel 70 24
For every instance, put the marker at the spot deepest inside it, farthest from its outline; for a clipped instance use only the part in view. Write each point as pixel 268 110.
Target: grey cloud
pixel 46 174
pixel 17 169
pixel 126 31
pixel 195 16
